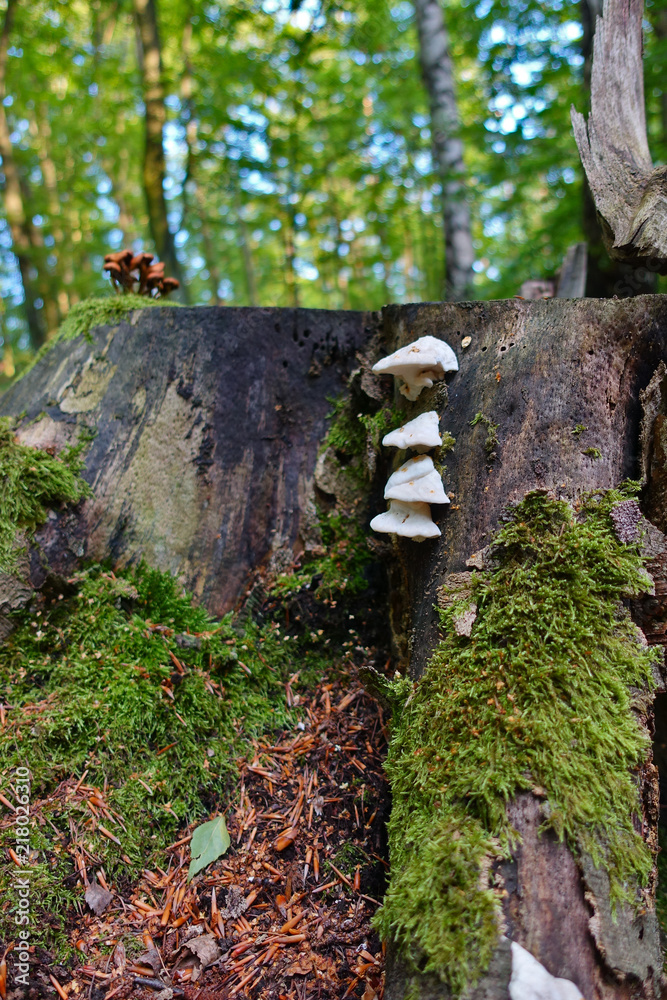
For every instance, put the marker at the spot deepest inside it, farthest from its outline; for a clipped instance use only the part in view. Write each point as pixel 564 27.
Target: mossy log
pixel 559 385
pixel 205 425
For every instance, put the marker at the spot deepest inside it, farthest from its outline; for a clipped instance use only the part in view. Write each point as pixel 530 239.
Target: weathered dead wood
pixel 630 195
pixel 207 426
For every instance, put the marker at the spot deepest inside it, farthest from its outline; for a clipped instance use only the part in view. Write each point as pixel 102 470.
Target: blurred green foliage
pixel 298 147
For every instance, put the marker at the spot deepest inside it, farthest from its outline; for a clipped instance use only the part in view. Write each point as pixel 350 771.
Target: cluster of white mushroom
pixel 416 484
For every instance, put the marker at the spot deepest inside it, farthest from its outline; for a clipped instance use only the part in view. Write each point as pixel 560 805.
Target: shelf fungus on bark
pixel 416 480
pixel 412 520
pixel 419 434
pixel 531 981
pixel 419 364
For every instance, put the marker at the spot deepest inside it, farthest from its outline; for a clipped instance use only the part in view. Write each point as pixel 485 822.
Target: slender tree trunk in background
pixel 660 28
pixel 191 180
pixel 150 65
pixel 438 76
pixel 244 239
pixel 53 293
pixel 19 224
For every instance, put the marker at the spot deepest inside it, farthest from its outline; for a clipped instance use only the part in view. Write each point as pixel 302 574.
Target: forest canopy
pixel 296 148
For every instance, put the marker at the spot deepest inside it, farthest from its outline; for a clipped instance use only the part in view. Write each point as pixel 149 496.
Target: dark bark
pixel 150 65
pixel 17 217
pixel 629 194
pixel 208 427
pixel 538 370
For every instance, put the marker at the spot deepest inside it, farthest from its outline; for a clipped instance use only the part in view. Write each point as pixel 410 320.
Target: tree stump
pixel 207 424
pixel 207 427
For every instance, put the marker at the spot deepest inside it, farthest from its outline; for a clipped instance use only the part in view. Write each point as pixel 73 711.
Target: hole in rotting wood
pixel 285 364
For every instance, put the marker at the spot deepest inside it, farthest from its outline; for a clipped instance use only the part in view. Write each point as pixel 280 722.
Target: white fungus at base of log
pixel 412 520
pixel 420 434
pixel 419 364
pixel 531 981
pixel 416 480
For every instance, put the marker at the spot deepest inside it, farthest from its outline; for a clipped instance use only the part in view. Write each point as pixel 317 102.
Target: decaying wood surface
pixel 207 425
pixel 629 194
pixel 558 378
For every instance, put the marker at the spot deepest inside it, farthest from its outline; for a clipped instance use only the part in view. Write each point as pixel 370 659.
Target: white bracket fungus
pixel 419 364
pixel 420 434
pixel 412 520
pixel 531 981
pixel 416 480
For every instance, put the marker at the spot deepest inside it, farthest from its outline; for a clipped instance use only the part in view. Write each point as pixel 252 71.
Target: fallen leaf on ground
pixel 97 898
pixel 209 842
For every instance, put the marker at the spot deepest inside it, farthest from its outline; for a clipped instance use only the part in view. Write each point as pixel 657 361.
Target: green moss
pixel 491 431
pixel 106 311
pixel 92 679
pixel 539 695
pixel 579 429
pixel 448 442
pixel 31 481
pixel 89 313
pixel 593 453
pixel 343 568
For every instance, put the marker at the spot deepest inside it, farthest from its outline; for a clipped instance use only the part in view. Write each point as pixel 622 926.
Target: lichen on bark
pixel 538 698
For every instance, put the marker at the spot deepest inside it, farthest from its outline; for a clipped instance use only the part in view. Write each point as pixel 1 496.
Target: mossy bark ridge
pixel 532 854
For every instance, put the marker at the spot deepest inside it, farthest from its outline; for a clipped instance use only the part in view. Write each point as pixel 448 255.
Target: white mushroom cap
pixel 420 433
pixel 416 480
pixel 531 981
pixel 413 520
pixel 419 364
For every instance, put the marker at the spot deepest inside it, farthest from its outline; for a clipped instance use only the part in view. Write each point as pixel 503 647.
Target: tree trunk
pixel 605 277
pixel 447 147
pixel 19 223
pixel 208 427
pixel 150 66
pixel 613 145
pixel 560 381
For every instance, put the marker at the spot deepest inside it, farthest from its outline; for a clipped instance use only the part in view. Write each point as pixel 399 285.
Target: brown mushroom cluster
pixel 138 274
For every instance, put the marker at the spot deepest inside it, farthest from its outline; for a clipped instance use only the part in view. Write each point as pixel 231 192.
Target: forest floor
pixel 286 913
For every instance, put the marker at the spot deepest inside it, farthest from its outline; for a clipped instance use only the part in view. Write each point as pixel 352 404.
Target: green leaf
pixel 209 842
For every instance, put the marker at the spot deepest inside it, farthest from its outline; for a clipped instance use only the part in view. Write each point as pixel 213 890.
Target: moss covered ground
pixel 100 683
pixel 539 695
pixel 117 682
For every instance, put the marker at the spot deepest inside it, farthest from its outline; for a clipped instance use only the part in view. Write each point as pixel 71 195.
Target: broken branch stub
pixel 629 194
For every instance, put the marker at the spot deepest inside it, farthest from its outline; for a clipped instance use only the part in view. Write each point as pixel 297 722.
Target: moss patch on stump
pixel 539 695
